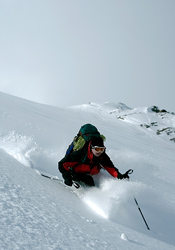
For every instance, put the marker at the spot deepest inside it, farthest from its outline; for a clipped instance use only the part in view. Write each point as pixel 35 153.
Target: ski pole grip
pixel 130 171
pixel 76 185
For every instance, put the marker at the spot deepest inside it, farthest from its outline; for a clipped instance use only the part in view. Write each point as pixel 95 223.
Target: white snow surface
pixel 39 213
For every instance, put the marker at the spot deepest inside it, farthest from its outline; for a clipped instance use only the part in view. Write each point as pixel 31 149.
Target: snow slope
pixel 38 213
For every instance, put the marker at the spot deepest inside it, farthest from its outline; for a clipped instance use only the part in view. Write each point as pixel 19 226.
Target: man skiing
pixel 81 165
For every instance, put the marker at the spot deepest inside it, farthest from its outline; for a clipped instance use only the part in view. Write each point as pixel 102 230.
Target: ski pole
pixel 76 185
pixel 141 213
pixel 130 171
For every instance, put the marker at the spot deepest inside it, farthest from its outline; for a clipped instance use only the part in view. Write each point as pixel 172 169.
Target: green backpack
pixel 86 133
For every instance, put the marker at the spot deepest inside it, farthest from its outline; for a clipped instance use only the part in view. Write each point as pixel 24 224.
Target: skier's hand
pixel 122 176
pixel 125 176
pixel 68 181
pixel 119 176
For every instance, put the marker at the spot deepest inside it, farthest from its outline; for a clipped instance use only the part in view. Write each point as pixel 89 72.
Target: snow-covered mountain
pixel 38 213
pixel 156 120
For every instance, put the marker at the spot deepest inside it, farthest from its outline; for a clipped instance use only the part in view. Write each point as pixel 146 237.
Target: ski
pixel 51 177
pixel 55 178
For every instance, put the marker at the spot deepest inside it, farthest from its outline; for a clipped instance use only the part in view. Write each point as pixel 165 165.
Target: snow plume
pixel 110 196
pixel 19 146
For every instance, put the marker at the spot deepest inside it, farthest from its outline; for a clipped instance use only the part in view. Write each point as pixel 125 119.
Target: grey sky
pixel 67 52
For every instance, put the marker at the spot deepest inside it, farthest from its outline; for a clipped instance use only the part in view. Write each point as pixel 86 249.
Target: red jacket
pixel 83 161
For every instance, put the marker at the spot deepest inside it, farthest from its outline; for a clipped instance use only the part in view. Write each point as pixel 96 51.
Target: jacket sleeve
pixel 108 165
pixel 70 161
pixel 61 168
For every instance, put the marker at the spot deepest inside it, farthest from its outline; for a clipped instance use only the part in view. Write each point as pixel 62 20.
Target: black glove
pixel 68 181
pixel 125 176
pixel 122 176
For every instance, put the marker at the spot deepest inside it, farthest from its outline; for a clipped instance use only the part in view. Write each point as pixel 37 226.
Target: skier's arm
pixel 108 165
pixel 67 163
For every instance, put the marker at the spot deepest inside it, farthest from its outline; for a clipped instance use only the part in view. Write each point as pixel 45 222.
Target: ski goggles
pixel 99 149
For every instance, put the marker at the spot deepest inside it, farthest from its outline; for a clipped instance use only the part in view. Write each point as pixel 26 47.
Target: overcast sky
pixel 68 52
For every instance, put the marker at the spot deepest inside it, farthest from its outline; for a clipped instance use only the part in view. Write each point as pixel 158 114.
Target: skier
pixel 81 165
